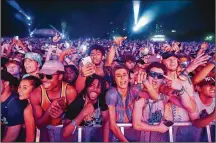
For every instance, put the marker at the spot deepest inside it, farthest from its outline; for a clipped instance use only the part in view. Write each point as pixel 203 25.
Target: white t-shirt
pixel 200 106
pixel 179 114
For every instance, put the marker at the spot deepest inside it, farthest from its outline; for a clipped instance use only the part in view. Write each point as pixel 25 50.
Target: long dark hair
pixel 102 83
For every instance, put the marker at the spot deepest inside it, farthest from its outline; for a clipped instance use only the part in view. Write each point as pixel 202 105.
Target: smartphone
pixel 67 45
pixel 86 60
pixel 168 123
pixel 154 58
pixel 16 37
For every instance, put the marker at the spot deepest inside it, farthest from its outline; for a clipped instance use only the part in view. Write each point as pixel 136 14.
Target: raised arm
pixel 203 73
pixel 110 55
pixel 84 72
pixel 10 47
pixel 66 52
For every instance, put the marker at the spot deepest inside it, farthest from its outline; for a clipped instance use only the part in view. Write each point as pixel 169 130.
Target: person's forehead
pixel 11 64
pixel 25 82
pixel 95 51
pixel 158 70
pixel 119 71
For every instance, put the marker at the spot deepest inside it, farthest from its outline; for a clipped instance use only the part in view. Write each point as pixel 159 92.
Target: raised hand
pixel 175 84
pixel 162 128
pixel 68 51
pixel 204 46
pixel 88 70
pixel 141 77
pixel 119 40
pixel 57 108
pixel 199 60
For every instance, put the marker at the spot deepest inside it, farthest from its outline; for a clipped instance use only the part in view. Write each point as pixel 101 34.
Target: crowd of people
pixel 46 82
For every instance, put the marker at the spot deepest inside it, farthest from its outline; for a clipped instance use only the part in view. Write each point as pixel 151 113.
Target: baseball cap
pixel 207 81
pixel 34 56
pixel 52 66
pixel 166 55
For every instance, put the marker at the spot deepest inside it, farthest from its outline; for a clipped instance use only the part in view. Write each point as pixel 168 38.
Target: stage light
pixel 142 22
pixel 136 6
pixel 29 24
pixel 29 18
pixel 173 31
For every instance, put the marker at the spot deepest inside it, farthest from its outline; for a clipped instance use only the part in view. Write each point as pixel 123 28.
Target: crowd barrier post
pixel 171 134
pixel 80 134
pixel 122 126
pixel 208 133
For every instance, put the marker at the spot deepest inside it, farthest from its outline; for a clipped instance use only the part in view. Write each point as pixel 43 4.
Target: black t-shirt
pixel 11 112
pixel 76 107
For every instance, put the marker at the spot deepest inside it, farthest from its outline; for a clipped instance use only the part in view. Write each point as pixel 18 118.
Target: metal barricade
pixel 123 125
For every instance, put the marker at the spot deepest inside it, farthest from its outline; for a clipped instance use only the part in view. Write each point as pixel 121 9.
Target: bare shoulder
pixel 71 90
pixel 35 96
pixel 71 93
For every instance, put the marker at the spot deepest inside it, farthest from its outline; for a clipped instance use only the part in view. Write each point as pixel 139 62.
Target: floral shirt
pixel 114 98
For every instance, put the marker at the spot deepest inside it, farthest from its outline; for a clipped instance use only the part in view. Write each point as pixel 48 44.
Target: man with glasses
pixel 49 101
pixel 149 111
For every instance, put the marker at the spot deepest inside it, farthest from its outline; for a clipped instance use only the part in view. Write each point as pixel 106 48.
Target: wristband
pixel 75 126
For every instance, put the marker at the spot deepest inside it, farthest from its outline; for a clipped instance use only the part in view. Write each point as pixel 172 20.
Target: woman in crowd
pixel 27 85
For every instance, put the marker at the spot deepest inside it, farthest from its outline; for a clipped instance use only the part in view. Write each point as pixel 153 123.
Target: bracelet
pixel 75 126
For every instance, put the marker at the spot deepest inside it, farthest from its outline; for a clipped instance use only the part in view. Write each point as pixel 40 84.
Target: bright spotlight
pixel 142 22
pixel 29 24
pixel 29 18
pixel 136 6
pixel 173 31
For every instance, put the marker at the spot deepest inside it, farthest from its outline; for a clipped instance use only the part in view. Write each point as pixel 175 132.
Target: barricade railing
pixel 123 125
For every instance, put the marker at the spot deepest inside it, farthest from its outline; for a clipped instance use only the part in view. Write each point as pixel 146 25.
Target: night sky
pixel 91 18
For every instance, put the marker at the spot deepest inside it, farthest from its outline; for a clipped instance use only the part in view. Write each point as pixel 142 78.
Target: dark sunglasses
pixel 47 76
pixel 155 74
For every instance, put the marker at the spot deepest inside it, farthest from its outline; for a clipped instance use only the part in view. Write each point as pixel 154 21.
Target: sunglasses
pixel 155 74
pixel 47 76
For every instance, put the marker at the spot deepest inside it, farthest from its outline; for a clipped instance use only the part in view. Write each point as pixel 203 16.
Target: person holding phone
pixel 102 68
pixel 50 100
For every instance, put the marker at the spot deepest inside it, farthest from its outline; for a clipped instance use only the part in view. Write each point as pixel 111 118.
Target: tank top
pixel 45 102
